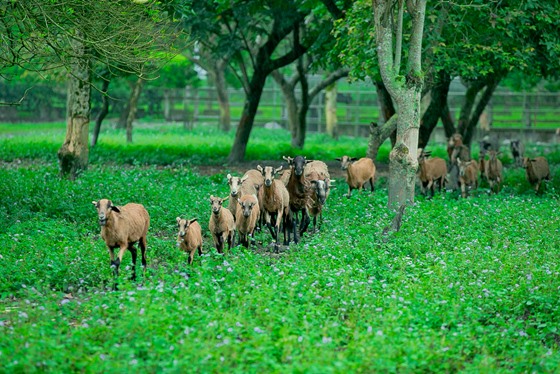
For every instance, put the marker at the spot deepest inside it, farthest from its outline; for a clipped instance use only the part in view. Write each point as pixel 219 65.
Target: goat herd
pixel 283 199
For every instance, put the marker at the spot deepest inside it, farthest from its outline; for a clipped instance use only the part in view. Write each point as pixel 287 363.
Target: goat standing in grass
pixel 300 191
pixel 221 225
pixel 431 171
pixel 275 203
pixel 358 172
pixel 317 173
pixel 189 237
pixel 468 175
pixel 537 170
pixel 122 227
pixel 493 171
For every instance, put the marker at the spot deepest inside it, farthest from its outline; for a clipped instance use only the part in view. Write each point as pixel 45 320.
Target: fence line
pixel 356 108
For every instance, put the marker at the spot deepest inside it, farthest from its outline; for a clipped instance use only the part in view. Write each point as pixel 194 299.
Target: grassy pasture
pixel 467 284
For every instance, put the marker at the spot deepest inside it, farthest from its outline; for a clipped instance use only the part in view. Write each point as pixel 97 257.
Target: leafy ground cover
pixel 467 284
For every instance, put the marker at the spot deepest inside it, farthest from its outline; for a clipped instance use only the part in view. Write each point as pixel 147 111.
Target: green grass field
pixel 466 284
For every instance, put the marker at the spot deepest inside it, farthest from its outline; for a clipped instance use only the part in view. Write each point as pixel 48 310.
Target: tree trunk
pixel 302 113
pixel 103 112
pixel 237 153
pixel 431 116
pixel 387 109
pixel 287 88
pixel 330 110
pixel 447 121
pixel 407 95
pixel 482 103
pixel 403 157
pixel 133 105
pixel 378 135
pixel 222 94
pixel 73 155
pixel 473 88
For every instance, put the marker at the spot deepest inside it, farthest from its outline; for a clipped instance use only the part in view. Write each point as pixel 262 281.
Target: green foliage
pixel 466 284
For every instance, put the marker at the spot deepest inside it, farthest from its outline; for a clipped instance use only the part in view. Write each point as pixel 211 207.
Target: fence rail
pixel 357 106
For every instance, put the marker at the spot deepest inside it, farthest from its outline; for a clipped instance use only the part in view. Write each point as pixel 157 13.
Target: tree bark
pixel 222 94
pixel 330 111
pixel 447 121
pixel 433 113
pixel 378 135
pixel 387 110
pixel 473 88
pixel 103 112
pixel 133 105
pixel 299 141
pixel 482 103
pixel 73 155
pixel 237 153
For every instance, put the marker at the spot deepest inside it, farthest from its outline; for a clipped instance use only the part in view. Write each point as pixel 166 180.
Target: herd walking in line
pixel 288 200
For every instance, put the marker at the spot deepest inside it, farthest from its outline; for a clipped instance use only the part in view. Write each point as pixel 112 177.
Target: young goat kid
pixel 468 175
pixel 317 172
pixel 122 227
pixel 248 213
pixel 221 224
pixel 189 237
pixel 493 171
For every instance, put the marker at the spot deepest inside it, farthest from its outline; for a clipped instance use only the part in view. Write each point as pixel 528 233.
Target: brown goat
pixel 189 237
pixel 248 214
pixel 537 170
pixel 358 172
pixel 468 175
pixel 431 171
pixel 275 203
pixel 317 173
pixel 122 227
pixel 221 224
pixel 493 171
pixel 247 184
pixel 300 192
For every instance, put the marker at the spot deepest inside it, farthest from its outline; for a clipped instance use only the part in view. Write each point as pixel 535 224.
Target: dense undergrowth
pixel 467 284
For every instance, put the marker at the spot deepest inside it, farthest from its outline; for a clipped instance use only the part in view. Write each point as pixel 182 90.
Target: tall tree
pixel 75 35
pixel 260 39
pixel 404 84
pixel 297 109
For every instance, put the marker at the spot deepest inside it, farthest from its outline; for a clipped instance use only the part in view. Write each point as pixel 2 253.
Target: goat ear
pixel 192 221
pixel 115 209
pixel 94 203
pixel 178 220
pixel 338 159
pixel 225 198
pixel 211 197
pixel 308 161
pixel 259 168
pixel 243 179
pixel 279 169
pixel 289 160
pixel 228 177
